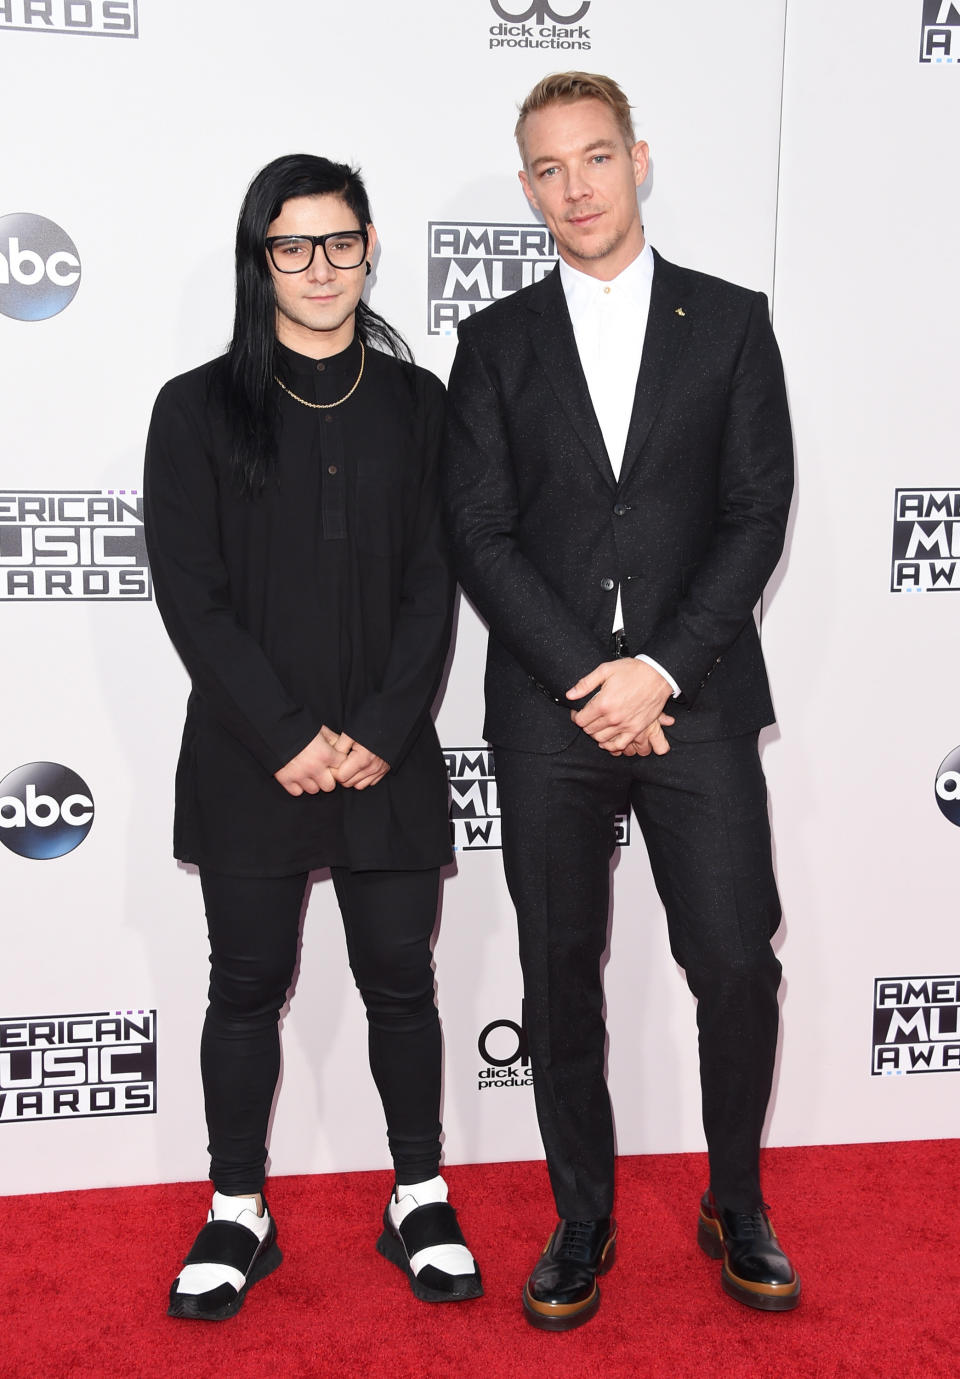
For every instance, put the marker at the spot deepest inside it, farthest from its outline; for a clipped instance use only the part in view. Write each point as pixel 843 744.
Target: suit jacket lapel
pixel 666 338
pixel 556 348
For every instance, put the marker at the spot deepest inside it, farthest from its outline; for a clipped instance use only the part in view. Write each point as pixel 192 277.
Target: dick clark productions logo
pixel 526 25
pixel 539 12
pixel 39 267
pixel 506 1056
pixel 46 810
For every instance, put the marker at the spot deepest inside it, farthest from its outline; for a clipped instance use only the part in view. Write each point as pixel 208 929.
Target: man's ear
pixel 640 153
pixel 527 189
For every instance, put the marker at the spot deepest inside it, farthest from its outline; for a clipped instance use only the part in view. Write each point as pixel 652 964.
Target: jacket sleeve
pixel 525 614
pixel 755 485
pixel 226 664
pixel 389 721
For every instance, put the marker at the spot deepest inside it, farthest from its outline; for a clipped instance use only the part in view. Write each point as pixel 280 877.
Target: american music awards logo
pixel 926 540
pixel 94 18
pixel 73 545
pixel 940 32
pixel 916 1025
pixel 475 803
pixel 471 264
pixel 546 24
pixel 66 1067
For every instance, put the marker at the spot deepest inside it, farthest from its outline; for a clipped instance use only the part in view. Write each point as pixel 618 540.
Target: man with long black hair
pixel 301 572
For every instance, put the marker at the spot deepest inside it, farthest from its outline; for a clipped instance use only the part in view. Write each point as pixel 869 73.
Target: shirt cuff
pixel 665 673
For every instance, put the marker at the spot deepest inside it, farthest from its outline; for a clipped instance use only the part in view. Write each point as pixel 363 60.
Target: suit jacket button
pixel 606 583
pixel 620 509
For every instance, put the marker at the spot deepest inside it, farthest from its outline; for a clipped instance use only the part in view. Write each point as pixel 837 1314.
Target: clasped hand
pixel 329 760
pixel 625 716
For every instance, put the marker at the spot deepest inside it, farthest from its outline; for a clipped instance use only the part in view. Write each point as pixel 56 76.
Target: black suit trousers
pixel 703 814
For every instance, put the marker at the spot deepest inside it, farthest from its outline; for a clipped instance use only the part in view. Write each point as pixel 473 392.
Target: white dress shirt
pixel 609 325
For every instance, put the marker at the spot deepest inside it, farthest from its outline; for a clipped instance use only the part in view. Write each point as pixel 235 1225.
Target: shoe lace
pixel 750 1224
pixel 577 1240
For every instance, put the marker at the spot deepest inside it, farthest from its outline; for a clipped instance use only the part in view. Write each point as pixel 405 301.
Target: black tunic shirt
pixel 324 600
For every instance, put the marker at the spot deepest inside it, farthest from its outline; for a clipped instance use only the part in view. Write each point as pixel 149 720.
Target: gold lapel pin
pixel 680 311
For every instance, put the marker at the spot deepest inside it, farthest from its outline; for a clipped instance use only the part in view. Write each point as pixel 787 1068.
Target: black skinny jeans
pixel 253 923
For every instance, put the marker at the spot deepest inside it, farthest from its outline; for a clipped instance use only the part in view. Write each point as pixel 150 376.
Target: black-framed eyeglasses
pixel 294 253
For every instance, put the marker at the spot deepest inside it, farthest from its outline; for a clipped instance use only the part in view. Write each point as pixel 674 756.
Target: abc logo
pixel 948 786
pixel 46 810
pixel 39 268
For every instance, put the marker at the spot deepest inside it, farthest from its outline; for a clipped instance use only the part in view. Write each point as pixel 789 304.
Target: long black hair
pixel 250 362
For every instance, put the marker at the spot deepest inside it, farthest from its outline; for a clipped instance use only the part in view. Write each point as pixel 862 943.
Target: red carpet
pixel 871 1228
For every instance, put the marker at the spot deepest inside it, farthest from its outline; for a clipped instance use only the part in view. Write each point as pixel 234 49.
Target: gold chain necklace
pixel 325 406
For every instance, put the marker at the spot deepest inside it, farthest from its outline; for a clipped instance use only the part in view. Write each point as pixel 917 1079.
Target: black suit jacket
pixel 543 533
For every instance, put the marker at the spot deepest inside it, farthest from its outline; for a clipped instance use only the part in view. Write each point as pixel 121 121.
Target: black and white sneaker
pixel 234 1250
pixel 421 1236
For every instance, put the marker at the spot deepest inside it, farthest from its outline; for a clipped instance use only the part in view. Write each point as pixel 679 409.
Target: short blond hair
pixel 577 86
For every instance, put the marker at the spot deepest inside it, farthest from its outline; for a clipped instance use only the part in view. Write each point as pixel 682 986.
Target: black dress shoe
pixel 755 1269
pixel 562 1291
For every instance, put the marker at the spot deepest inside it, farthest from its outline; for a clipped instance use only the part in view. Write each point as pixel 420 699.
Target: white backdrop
pixel 138 144
pixel 864 678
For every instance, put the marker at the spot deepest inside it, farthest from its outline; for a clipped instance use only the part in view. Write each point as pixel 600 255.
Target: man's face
pixel 582 178
pixel 315 308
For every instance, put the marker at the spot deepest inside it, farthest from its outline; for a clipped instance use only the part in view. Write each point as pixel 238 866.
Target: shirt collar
pixel 634 282
pixel 335 366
